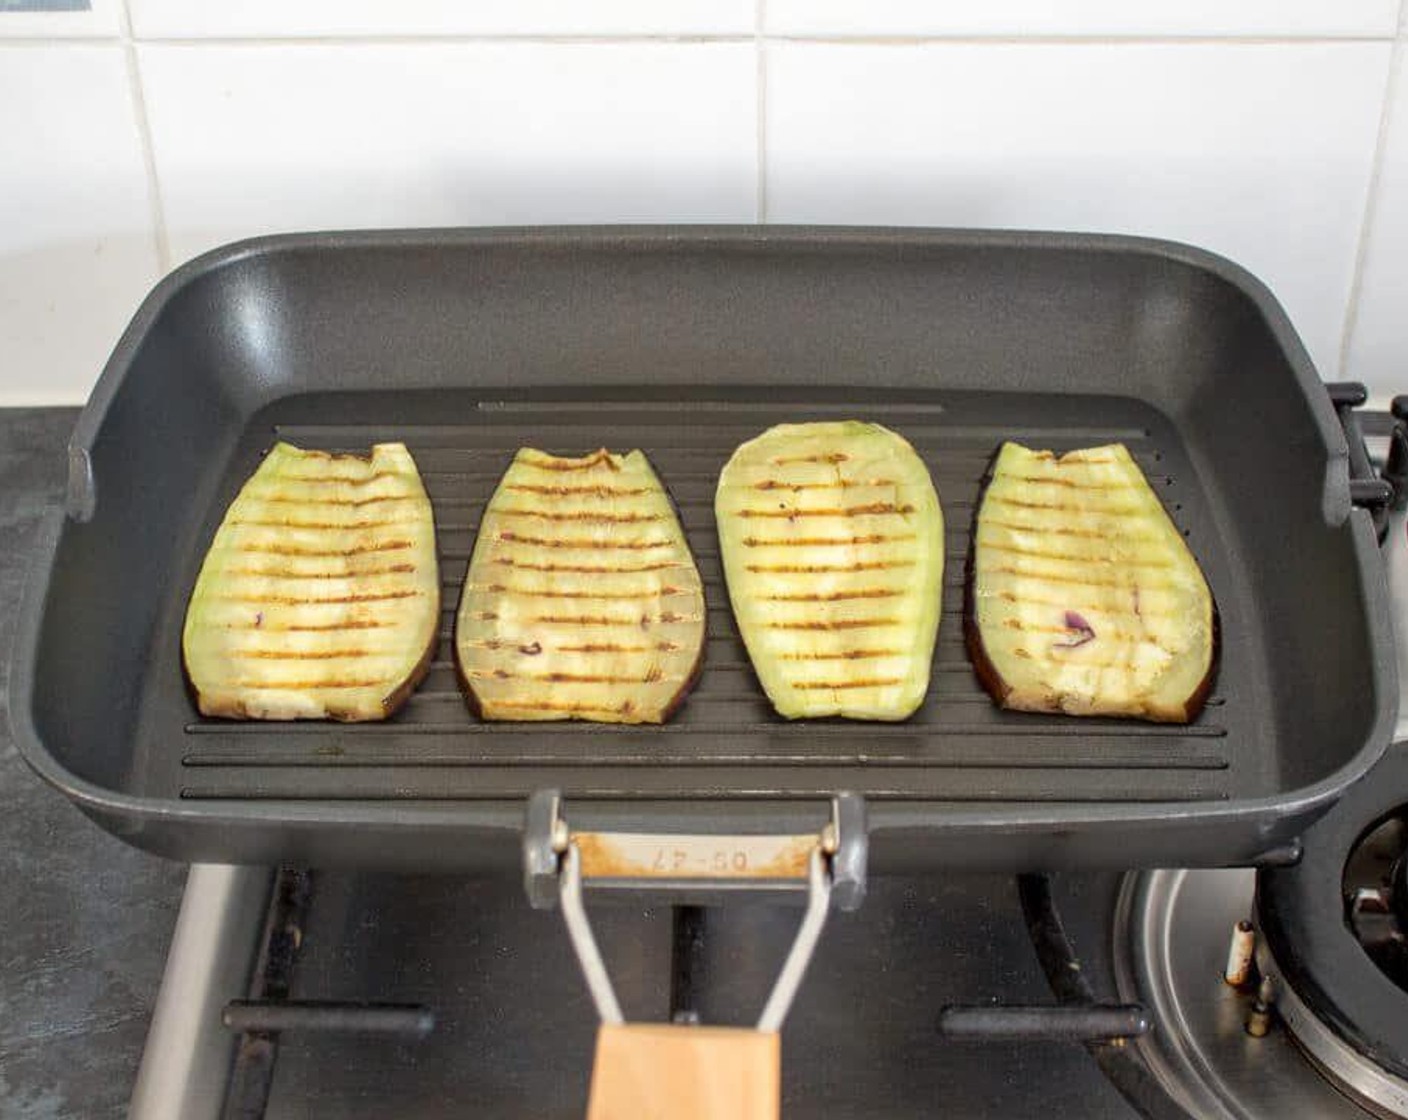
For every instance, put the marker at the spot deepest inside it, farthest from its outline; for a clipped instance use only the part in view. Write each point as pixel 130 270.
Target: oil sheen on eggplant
pixel 832 544
pixel 1083 597
pixel 320 595
pixel 582 599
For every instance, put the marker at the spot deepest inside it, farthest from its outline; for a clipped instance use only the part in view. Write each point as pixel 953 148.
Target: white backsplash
pixel 133 137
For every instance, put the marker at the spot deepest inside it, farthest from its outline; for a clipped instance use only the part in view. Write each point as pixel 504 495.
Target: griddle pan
pixel 684 342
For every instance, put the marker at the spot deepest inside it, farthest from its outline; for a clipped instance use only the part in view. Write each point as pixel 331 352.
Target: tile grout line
pixel 761 80
pixel 759 35
pixel 137 92
pixel 451 39
pixel 1053 39
pixel 1371 206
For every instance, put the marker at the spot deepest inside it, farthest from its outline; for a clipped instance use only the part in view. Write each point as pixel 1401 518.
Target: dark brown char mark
pixel 873 509
pixel 568 491
pixel 390 704
pixel 822 542
pixel 286 550
pixel 393 701
pixel 691 675
pixel 351 503
pixel 580 543
pixel 993 681
pixel 274 573
pixel 839 686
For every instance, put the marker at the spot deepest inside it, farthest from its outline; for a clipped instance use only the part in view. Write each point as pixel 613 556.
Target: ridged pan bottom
pixel 726 740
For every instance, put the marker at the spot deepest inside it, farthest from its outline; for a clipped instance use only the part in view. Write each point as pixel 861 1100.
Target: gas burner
pixel 1376 894
pixel 1171 937
pixel 1332 933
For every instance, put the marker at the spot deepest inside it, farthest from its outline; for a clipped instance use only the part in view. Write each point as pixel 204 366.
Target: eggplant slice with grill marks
pixel 833 546
pixel 320 595
pixel 582 599
pixel 1083 597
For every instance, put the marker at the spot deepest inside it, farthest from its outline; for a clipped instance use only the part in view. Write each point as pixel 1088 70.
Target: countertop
pixel 85 920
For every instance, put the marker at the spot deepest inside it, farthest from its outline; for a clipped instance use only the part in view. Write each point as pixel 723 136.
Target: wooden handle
pixel 646 1071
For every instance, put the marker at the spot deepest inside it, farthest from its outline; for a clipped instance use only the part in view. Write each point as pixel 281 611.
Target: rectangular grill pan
pixel 685 342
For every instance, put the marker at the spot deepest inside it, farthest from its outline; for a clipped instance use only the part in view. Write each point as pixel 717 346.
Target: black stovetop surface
pixel 515 1025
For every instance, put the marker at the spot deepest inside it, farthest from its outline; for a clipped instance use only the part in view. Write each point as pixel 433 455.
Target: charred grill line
pixel 873 509
pixel 608 596
pixel 1064 507
pixel 834 596
pixel 1063 604
pixel 304 655
pixel 275 573
pixel 300 601
pixel 587 569
pixel 835 457
pixel 818 569
pixel 568 491
pixel 310 686
pixel 1121 584
pixel 275 549
pixel 838 624
pixel 823 542
pixel 337 479
pixel 352 503
pixel 582 516
pixel 838 484
pixel 1063 531
pixel 864 682
pixel 654 677
pixel 844 655
pixel 994 546
pixel 349 526
pixel 1072 484
pixel 331 627
pixel 580 542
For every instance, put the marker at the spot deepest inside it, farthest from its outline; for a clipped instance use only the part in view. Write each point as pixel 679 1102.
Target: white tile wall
pixel 77 252
pixel 1079 18
pixel 258 138
pixel 1378 339
pixel 1260 129
pixel 1263 153
pixel 275 19
pixel 102 19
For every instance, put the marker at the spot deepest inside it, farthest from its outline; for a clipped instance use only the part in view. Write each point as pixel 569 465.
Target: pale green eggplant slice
pixel 1083 597
pixel 582 599
pixel 833 546
pixel 320 595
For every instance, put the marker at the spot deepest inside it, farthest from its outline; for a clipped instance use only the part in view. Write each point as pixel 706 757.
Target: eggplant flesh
pixel 1083 597
pixel 832 536
pixel 319 597
pixel 582 599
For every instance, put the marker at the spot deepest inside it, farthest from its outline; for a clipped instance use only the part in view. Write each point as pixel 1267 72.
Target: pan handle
pixel 1368 489
pixel 695 865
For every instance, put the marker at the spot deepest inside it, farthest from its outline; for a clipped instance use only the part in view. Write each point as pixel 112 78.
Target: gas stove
pixel 1248 993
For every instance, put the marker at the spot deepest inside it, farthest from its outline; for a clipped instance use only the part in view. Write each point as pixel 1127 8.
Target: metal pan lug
pixel 694 866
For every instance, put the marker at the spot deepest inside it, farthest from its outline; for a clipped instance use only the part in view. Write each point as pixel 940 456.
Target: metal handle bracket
pixel 558 863
pixel 691 863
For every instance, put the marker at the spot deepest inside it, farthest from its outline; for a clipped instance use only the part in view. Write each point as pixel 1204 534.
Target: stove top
pixel 448 996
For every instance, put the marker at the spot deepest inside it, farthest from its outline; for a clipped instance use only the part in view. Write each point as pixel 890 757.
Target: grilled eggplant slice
pixel 582 599
pixel 832 540
pixel 320 595
pixel 1083 597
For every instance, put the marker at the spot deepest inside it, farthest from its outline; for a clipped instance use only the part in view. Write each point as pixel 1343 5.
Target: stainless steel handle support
pixel 558 863
pixel 693 864
pixel 784 989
